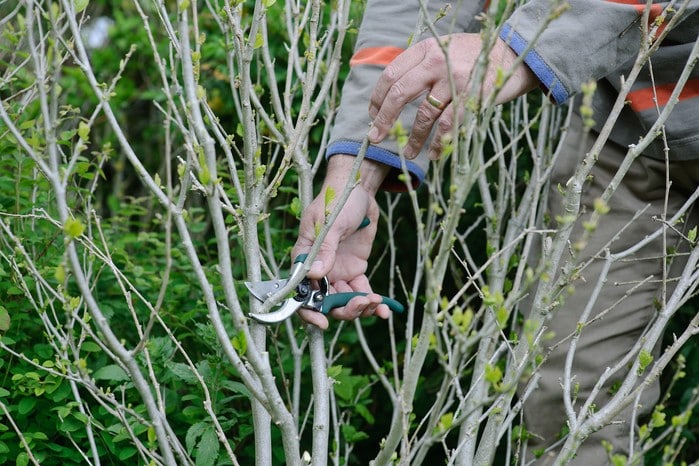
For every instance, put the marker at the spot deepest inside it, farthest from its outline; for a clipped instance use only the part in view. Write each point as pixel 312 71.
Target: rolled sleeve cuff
pixel 536 63
pixel 386 157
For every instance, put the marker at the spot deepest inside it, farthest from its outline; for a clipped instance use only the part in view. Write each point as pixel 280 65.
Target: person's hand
pixel 424 69
pixel 344 253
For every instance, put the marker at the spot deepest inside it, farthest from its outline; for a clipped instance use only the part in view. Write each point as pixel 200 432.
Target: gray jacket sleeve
pixel 589 40
pixel 600 40
pixel 386 29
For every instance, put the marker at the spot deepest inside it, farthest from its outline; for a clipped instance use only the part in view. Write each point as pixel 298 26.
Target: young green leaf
pixel 445 422
pixel 4 319
pixel 329 197
pixel 259 40
pixel 295 207
pixel 73 228
pixel 658 417
pixel 352 435
pixel 60 273
pixel 240 343
pixel 80 5
pixel 644 360
pixel 334 371
pixel 601 207
pixel 84 131
pixel 493 374
pixel 151 435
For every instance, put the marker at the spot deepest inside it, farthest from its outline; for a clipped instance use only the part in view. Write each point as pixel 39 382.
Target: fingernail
pixel 373 134
pixel 433 154
pixel 408 152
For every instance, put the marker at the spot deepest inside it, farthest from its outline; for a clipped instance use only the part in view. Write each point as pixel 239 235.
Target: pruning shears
pixel 306 296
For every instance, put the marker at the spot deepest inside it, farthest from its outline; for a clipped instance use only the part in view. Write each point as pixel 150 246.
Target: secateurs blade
pixel 306 296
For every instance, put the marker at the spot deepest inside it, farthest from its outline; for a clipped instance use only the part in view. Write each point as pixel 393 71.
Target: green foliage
pixel 134 257
pixel 644 360
pixel 354 397
pixel 679 386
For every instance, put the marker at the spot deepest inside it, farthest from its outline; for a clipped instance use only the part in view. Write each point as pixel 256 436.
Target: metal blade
pixel 287 309
pixel 263 290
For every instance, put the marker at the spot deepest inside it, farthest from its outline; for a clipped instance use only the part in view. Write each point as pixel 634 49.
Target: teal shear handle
pixel 334 300
pixel 331 301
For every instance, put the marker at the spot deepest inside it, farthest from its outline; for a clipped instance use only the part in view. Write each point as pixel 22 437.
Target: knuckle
pixel 396 92
pixel 390 73
pixel 435 60
pixel 445 124
pixel 381 120
pixel 417 143
pixel 433 53
pixel 423 121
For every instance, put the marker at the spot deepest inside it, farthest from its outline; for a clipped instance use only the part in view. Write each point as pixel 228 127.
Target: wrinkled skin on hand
pixel 425 69
pixel 344 253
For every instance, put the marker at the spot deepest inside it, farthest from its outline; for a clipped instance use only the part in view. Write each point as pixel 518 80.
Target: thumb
pixel 325 259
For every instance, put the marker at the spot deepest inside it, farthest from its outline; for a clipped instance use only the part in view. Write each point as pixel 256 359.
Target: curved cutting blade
pixel 263 290
pixel 286 310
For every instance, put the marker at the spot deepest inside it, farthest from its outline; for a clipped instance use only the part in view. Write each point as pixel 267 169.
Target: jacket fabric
pixel 589 40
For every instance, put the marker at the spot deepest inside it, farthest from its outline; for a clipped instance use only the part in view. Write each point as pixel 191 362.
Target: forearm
pixel 371 173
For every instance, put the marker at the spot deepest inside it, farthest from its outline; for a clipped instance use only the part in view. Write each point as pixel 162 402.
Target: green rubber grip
pixel 365 223
pixel 334 300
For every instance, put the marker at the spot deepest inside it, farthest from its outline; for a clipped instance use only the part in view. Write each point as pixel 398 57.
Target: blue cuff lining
pixel 380 155
pixel 536 63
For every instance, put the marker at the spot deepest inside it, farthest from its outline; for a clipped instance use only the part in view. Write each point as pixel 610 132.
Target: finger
pixel 359 283
pixel 393 72
pixel 369 309
pixel 443 133
pixel 314 318
pixel 307 231
pixel 325 259
pixel 386 105
pixel 383 311
pixel 428 113
pixel 359 306
pixel 344 238
pixel 375 306
pixel 355 307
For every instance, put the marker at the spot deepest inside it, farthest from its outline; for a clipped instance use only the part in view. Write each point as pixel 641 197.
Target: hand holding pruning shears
pixel 342 258
pixel 306 296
